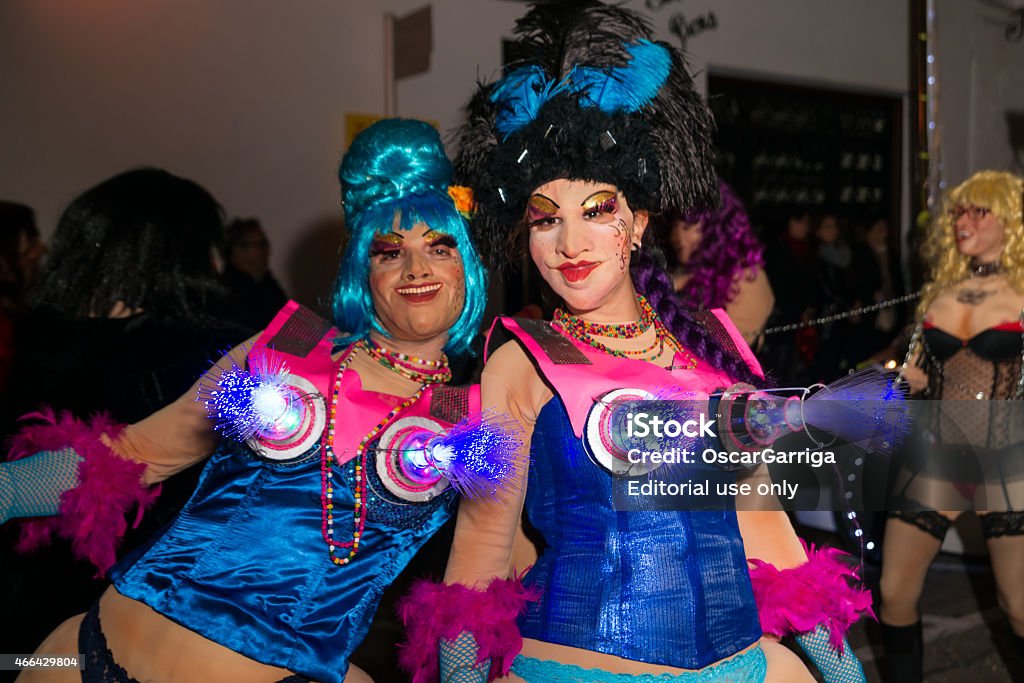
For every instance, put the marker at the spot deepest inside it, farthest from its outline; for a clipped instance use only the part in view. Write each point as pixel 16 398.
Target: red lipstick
pixel 576 272
pixel 418 294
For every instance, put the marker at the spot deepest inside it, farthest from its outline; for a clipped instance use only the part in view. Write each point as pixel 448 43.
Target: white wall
pixel 248 97
pixel 850 45
pixel 981 80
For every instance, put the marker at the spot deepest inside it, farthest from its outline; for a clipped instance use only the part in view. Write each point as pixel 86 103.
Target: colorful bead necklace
pixel 328 459
pixel 584 331
pixel 406 366
pixel 443 363
pixel 629 330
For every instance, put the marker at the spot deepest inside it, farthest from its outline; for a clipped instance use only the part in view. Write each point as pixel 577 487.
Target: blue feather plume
pixel 626 88
pixel 520 95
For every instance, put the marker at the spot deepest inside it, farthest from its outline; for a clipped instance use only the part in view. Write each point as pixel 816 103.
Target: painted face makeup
pixel 581 235
pixel 978 233
pixel 417 282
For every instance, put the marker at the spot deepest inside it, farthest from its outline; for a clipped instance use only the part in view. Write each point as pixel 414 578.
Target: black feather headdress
pixel 591 96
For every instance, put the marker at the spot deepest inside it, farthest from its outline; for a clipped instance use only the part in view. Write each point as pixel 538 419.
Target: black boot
pixel 1014 658
pixel 903 653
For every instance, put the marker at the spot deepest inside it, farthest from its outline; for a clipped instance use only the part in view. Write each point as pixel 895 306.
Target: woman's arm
pixel 467 625
pixel 752 304
pixel 78 478
pixel 180 434
pixel 486 528
pixel 804 592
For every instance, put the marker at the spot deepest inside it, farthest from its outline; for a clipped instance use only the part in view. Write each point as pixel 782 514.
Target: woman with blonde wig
pixel 967 357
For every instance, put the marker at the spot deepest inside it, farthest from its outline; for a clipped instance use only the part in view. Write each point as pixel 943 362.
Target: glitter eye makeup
pixel 600 203
pixel 436 238
pixel 539 208
pixel 389 243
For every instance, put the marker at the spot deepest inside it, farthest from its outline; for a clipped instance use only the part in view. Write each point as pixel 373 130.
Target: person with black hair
pixel 596 128
pixel 21 252
pixel 125 316
pixel 254 292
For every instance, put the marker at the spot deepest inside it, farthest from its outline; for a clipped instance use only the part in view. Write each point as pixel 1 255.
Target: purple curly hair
pixel 728 250
pixel 651 280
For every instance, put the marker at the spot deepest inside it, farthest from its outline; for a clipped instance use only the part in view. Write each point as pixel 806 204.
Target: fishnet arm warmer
pixel 835 667
pixel 31 487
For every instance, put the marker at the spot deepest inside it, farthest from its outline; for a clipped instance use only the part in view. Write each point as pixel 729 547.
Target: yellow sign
pixel 357 123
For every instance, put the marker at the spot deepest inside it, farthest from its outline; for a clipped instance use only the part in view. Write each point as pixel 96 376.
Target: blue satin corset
pixel 245 563
pixel 665 587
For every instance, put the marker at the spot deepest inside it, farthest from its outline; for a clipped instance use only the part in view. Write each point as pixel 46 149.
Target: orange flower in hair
pixel 463 198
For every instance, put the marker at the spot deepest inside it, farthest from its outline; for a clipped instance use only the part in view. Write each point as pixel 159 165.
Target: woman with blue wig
pixel 273 570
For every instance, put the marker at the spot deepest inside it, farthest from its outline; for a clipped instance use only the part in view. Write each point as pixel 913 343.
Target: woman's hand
pixel 916 378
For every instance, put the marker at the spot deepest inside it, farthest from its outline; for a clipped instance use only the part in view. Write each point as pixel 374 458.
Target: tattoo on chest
pixel 973 297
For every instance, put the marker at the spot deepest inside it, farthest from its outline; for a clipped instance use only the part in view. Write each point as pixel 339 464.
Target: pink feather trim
pixel 823 591
pixel 92 515
pixel 435 611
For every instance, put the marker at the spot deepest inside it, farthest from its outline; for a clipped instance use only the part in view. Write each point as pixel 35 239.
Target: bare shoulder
pixel 509 360
pixel 512 368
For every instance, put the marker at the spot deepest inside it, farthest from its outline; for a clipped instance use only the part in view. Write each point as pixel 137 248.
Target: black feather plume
pixel 660 157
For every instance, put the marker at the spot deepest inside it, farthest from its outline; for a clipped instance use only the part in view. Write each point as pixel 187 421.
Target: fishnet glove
pixel 835 667
pixel 32 486
pixel 458 661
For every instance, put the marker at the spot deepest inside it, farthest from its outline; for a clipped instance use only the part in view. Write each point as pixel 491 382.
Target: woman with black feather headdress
pixel 595 128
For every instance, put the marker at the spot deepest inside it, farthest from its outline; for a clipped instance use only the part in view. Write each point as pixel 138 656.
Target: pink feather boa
pixel 92 515
pixel 435 611
pixel 818 592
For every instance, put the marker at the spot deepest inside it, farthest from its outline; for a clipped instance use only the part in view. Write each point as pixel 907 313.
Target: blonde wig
pixel 1001 193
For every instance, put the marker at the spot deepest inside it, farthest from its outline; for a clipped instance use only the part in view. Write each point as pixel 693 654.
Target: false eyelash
pixel 446 241
pixel 608 205
pixel 378 251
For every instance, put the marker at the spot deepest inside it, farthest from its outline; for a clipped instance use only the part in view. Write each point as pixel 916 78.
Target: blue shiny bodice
pixel 666 587
pixel 245 564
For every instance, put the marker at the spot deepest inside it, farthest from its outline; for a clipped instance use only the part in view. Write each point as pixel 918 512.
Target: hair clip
pixel 523 155
pixel 501 193
pixel 607 140
pixel 641 167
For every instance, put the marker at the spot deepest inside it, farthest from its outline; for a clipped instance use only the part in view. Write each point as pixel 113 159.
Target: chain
pixel 1020 381
pixel 915 340
pixel 845 314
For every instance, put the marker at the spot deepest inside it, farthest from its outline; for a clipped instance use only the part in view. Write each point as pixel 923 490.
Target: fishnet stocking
pixel 31 487
pixel 834 667
pixel 458 661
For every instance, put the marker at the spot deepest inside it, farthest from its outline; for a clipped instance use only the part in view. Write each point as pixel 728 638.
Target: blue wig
pixel 399 166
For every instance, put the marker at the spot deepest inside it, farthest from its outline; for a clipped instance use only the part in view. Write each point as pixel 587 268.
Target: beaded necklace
pixel 584 331
pixel 328 459
pixel 406 365
pixel 629 330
